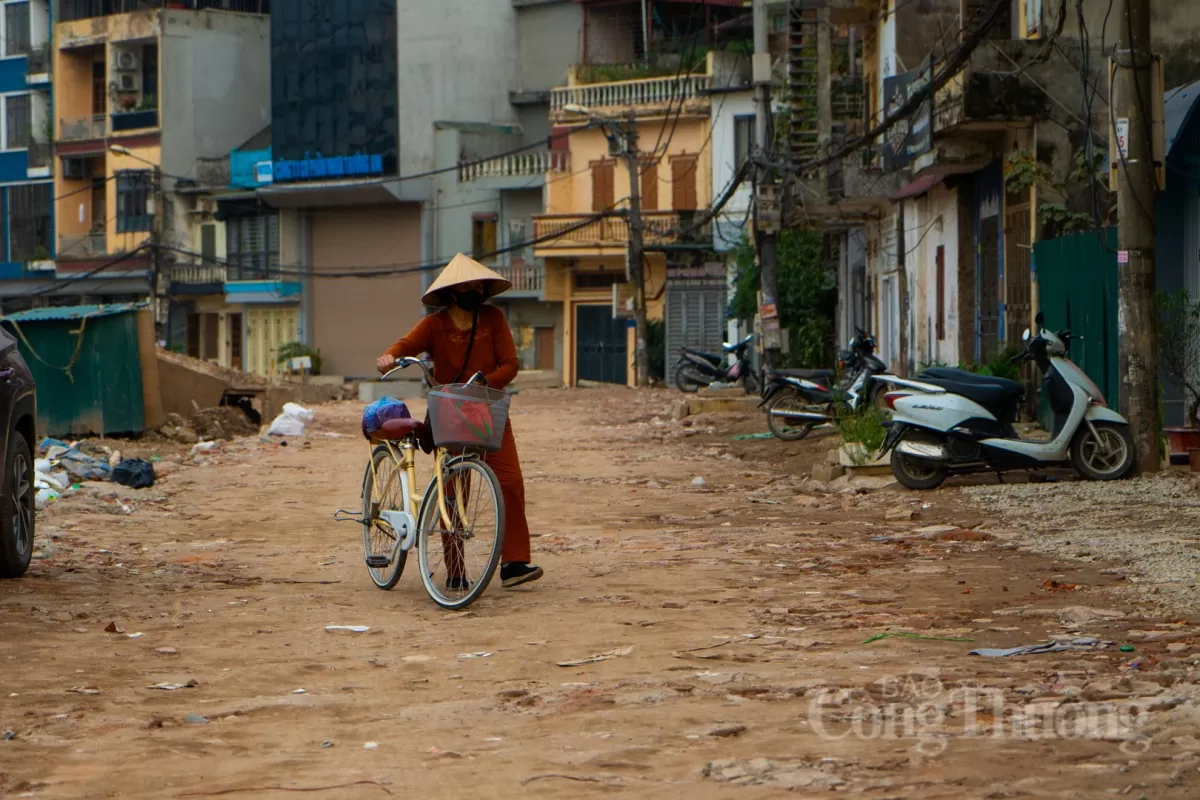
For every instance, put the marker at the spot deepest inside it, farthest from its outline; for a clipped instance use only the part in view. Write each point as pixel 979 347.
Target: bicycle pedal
pixel 378 562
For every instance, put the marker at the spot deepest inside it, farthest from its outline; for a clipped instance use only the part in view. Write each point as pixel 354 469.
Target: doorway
pixel 601 346
pixel 543 344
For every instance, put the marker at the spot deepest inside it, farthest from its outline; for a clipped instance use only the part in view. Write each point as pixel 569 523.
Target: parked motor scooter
pixel 798 400
pixel 696 368
pixel 950 421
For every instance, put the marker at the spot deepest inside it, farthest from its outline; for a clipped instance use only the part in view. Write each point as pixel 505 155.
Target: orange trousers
pixel 507 466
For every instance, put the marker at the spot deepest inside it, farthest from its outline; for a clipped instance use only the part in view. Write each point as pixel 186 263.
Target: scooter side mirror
pixel 1025 335
pixel 1040 319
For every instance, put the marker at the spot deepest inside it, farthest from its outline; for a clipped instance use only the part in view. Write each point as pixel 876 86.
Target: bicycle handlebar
pixel 404 364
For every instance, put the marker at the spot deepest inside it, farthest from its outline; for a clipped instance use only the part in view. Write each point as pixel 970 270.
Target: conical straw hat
pixel 464 269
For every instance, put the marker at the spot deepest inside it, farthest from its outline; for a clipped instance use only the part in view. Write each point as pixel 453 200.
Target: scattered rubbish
pixel 743 437
pixel 171 687
pixel 113 627
pixel 417 659
pixel 167 651
pixel 726 731
pixel 90 690
pixel 84 467
pixel 134 473
pixel 300 691
pixel 328 743
pixel 1127 648
pixel 7 736
pixel 205 447
pixel 1037 649
pixel 764 502
pixel 698 482
pixel 371 746
pixel 195 719
pixel 44 497
pixel 620 651
pixel 1055 586
pixel 902 635
pixel 137 635
pixel 351 628
pixel 475 655
pixel 292 422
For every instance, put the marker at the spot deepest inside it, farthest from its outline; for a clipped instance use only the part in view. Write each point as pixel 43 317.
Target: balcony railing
pixel 583 230
pixel 516 165
pixel 40 60
pixel 84 9
pixel 93 126
pixel 92 244
pixel 525 277
pixel 134 120
pixel 253 267
pixel 630 94
pixel 198 274
pixel 40 154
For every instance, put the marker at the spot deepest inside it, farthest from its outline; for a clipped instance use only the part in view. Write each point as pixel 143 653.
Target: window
pixel 133 196
pixel 18 121
pixel 252 247
pixel 1032 18
pixel 208 243
pixel 603 190
pixel 743 138
pixel 483 236
pixel 16 29
pixel 29 222
pixel 683 183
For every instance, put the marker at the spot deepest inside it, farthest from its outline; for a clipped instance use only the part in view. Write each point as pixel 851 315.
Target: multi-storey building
pixel 144 89
pixel 26 188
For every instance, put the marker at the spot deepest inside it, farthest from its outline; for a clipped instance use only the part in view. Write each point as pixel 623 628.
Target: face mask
pixel 469 301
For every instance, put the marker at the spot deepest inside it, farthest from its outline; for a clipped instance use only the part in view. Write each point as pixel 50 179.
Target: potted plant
pixel 1179 356
pixel 127 103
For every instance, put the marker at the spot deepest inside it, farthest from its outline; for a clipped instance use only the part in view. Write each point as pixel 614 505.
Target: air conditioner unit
pixel 125 60
pixel 130 82
pixel 76 169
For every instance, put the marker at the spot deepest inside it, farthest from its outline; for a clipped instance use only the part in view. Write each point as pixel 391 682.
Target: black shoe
pixel 457 583
pixel 515 573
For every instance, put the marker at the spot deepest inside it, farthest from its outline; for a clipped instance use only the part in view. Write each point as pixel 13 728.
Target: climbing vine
pixel 1023 171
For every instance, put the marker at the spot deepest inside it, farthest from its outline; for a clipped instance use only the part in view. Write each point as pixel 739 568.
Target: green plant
pixel 41 254
pixel 1060 219
pixel 298 350
pixel 1002 366
pixel 49 131
pixel 149 102
pixel 656 342
pixel 865 428
pixel 1179 347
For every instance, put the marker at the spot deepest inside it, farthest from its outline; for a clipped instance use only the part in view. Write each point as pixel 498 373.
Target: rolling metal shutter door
pixel 695 317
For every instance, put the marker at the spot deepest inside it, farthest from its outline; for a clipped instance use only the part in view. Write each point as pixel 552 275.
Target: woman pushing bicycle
pixel 466 337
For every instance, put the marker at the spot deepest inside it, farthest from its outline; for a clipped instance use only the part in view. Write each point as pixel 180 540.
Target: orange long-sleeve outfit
pixel 495 355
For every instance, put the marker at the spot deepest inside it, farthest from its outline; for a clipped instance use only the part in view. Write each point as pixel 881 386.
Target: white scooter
pixel 950 421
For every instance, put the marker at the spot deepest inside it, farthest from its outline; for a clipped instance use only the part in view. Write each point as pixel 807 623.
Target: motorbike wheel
pixel 781 427
pixel 1107 455
pixel 917 474
pixel 687 380
pixel 877 401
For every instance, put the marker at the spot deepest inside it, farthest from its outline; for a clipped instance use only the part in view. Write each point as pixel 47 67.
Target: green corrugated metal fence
pixel 87 368
pixel 1077 282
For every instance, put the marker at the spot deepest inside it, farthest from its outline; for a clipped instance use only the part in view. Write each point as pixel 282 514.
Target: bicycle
pixel 390 529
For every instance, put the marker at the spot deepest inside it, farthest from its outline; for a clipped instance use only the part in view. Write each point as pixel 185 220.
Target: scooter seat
pixel 999 397
pixel 962 376
pixel 807 374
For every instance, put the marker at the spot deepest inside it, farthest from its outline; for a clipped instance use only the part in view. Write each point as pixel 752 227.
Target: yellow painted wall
pixel 573 195
pixel 267 329
pixel 120 243
pixel 72 85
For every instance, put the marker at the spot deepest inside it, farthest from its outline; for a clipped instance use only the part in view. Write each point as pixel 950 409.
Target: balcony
pixel 584 231
pixel 69 10
pixel 78 129
pixel 40 156
pixel 527 278
pixel 643 97
pixel 517 165
pixel 39 64
pixel 198 279
pixel 992 91
pixel 134 120
pixel 87 246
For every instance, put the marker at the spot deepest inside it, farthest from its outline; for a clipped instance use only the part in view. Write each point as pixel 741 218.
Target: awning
pixel 917 188
pixel 319 194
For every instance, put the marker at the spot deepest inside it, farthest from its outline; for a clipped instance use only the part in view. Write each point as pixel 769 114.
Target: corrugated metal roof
pixel 71 312
pixel 1176 111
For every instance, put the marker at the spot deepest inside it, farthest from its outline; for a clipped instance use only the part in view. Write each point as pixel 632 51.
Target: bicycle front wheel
pixel 458 560
pixel 382 491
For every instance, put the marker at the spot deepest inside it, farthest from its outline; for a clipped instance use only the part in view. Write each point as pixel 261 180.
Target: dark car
pixel 18 409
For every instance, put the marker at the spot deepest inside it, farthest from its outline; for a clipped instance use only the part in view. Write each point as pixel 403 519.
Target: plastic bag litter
pixel 292 422
pixel 134 473
pixel 85 467
pixel 42 465
pixel 44 497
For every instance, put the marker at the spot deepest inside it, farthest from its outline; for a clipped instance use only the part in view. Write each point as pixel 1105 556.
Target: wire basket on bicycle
pixel 468 417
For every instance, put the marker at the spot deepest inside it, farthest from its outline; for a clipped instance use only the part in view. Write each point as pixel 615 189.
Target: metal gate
pixel 601 346
pixel 697 311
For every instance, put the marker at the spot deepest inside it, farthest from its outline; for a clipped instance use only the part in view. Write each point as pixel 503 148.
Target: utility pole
pixel 636 271
pixel 156 251
pixel 1137 189
pixel 768 221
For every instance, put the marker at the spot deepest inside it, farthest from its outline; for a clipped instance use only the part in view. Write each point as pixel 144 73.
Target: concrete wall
pixel 457 61
pixel 728 223
pixel 216 84
pixel 1175 33
pixel 550 38
pixel 931 221
pixel 524 316
pixel 454 201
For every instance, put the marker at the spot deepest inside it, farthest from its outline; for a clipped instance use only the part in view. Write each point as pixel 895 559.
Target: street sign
pixel 622 300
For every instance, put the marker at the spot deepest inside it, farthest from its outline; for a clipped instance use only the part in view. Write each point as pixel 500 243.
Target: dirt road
pixel 737 617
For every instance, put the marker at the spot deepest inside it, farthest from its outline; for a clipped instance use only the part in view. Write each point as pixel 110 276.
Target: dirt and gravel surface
pixel 754 634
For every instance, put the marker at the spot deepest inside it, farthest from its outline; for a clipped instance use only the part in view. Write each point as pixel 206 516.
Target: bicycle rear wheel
pixel 382 491
pixel 458 563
